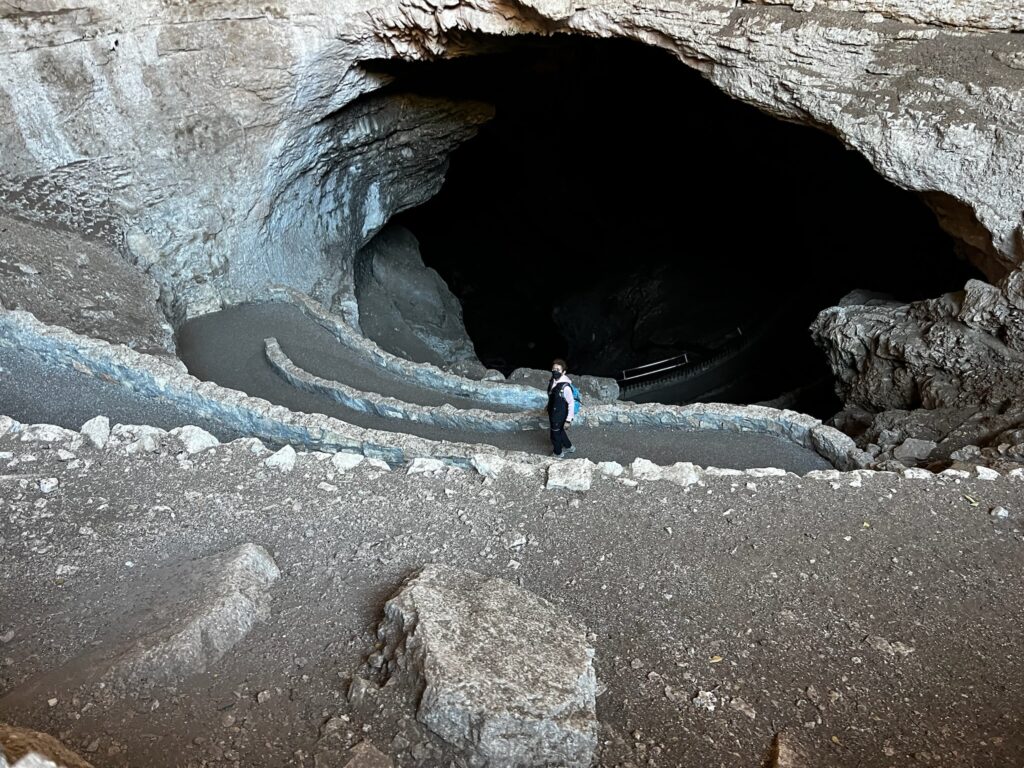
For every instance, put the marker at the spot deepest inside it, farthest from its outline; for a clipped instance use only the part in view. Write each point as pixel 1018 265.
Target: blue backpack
pixel 557 392
pixel 576 398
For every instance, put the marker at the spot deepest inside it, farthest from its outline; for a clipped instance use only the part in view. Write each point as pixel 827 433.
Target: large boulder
pixel 24 748
pixel 506 679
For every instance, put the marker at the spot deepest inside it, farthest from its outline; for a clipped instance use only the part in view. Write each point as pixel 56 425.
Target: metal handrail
pixel 641 370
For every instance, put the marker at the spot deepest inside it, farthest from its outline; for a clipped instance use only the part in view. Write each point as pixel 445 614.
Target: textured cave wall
pixel 234 143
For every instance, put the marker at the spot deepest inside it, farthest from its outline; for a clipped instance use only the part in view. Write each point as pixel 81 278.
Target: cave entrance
pixel 619 210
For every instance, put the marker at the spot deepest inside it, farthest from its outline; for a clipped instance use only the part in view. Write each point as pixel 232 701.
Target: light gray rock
pixel 912 448
pixel 97 431
pixel 985 473
pixel 284 460
pixel 8 425
pixel 915 473
pixel 195 439
pixel 765 472
pixel 682 473
pixel 505 677
pixel 46 433
pixel 643 469
pixel 420 466
pixel 343 462
pixel 571 475
pixel 489 465
pixel 24 748
pixel 182 619
pixel 610 468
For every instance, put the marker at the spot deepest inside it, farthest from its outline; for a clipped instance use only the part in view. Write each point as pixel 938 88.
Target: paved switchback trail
pixel 227 347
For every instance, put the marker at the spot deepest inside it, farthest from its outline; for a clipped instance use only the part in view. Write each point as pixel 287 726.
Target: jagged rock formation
pixel 959 350
pixel 949 371
pixel 236 144
pixel 406 307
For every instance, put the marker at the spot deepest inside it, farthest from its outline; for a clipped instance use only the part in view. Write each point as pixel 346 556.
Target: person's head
pixel 558 367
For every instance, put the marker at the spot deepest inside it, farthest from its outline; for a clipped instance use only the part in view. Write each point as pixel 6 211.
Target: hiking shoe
pixel 571 449
pixel 557 456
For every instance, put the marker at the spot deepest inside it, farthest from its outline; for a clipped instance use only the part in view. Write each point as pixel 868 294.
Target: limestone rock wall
pixel 959 350
pixel 228 144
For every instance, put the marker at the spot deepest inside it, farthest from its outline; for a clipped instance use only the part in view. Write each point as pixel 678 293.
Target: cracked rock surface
pixel 505 677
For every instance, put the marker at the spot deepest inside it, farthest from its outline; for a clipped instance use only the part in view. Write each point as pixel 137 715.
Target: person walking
pixel 561 409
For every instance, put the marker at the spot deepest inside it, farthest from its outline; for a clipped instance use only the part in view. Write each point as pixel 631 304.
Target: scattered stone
pixel 705 700
pixel 890 649
pixel 46 433
pixel 683 473
pixel 420 466
pixel 642 469
pixel 915 473
pixel 985 473
pixel 263 697
pixel 786 753
pixel 610 468
pixel 343 462
pixel 489 465
pixel 195 439
pixel 722 472
pixel 48 485
pixel 8 425
pixel 1016 474
pixel 505 677
pixel 1000 512
pixel 742 707
pixel 20 743
pixel 766 472
pixel 146 443
pixel 7 636
pixel 378 464
pixel 284 460
pixel 571 475
pixel 915 449
pixel 365 755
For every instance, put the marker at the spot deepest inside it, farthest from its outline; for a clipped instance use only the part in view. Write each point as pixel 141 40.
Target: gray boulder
pixel 505 678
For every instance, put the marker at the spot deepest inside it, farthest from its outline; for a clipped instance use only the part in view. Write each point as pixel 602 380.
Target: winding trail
pixel 227 347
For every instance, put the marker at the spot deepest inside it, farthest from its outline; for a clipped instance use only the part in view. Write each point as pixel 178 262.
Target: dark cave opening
pixel 620 210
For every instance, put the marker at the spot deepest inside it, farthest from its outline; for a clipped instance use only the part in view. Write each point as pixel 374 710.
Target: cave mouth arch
pixel 620 210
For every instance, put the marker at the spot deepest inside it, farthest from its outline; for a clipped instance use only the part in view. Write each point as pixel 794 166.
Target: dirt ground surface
pixel 80 283
pixel 872 620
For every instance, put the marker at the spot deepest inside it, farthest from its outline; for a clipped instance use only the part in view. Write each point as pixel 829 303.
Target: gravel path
pixel 227 347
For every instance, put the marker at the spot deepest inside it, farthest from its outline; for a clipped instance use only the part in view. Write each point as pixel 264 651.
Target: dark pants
pixel 559 439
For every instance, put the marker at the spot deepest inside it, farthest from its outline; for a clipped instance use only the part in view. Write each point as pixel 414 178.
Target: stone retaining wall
pixel 419 373
pixel 799 428
pixel 152 377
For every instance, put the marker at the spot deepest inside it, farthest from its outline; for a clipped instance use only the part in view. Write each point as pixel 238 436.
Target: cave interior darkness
pixel 619 209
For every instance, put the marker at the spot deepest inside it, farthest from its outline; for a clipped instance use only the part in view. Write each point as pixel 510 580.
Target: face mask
pixel 555 374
